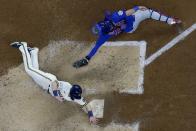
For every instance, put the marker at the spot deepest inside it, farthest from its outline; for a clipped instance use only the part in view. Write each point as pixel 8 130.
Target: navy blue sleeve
pixel 101 40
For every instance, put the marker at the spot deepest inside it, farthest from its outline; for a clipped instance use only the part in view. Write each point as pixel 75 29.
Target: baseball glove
pixel 80 63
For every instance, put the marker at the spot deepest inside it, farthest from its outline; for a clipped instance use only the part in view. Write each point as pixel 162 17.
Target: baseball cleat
pixel 178 25
pixel 30 49
pixel 176 21
pixel 16 44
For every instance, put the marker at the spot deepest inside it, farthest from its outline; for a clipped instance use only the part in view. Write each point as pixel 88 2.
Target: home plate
pixel 97 107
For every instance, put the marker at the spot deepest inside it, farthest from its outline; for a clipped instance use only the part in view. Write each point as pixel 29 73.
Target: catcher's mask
pixel 102 27
pixel 75 92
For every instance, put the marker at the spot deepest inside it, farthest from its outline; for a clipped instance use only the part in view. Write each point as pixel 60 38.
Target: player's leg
pixel 34 57
pixel 26 57
pixel 155 15
pixel 41 78
pixel 142 15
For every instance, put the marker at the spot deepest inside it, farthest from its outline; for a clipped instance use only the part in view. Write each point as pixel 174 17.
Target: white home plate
pixel 97 107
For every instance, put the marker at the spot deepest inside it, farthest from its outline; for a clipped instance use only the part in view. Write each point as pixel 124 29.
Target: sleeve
pixel 101 40
pixel 117 16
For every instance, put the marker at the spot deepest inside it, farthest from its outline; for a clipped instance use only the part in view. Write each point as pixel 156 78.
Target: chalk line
pixel 123 43
pixel 142 44
pixel 124 127
pixel 170 44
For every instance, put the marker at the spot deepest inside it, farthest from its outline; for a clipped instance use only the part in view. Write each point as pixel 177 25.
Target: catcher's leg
pixel 142 15
pixel 167 19
pixel 155 15
pixel 41 78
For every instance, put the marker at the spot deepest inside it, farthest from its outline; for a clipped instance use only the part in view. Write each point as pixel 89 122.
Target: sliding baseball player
pixel 122 21
pixel 61 90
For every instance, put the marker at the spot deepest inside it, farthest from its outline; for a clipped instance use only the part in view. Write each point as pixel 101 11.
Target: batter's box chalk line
pixel 142 53
pixel 169 45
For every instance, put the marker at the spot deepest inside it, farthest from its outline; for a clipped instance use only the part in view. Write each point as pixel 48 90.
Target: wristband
pixel 90 114
pixel 136 8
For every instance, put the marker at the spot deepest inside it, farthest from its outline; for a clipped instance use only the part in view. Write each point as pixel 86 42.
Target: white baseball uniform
pixel 44 79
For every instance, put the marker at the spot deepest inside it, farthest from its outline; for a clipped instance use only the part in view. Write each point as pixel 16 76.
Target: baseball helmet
pixel 75 92
pixel 102 27
pixel 96 30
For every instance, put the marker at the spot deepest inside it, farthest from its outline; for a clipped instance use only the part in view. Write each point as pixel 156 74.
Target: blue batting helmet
pixel 75 92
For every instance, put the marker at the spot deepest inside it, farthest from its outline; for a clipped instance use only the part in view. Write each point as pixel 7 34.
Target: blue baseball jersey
pixel 110 21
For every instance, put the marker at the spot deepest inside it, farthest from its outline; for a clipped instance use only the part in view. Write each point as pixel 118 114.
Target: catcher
pixel 122 21
pixel 61 90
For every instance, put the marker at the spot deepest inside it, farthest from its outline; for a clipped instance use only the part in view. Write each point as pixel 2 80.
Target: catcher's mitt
pixel 80 63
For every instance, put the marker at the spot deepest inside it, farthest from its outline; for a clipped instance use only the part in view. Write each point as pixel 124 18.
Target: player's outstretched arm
pixel 87 108
pixel 84 61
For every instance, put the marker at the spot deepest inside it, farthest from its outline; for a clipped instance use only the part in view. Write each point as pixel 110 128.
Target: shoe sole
pixel 12 44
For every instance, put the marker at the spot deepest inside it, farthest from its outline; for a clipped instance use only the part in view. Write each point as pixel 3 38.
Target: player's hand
pixel 59 98
pixel 93 120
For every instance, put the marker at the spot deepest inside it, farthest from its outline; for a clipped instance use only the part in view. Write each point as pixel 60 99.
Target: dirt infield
pixel 168 102
pixel 27 107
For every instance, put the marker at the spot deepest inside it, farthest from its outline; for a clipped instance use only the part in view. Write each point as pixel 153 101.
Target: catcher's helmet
pixel 75 92
pixel 96 30
pixel 102 27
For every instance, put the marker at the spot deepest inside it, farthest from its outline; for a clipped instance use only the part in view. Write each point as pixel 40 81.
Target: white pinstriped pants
pixel 31 65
